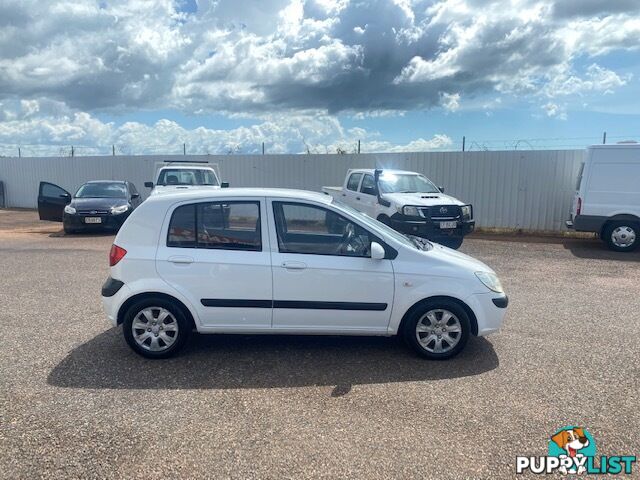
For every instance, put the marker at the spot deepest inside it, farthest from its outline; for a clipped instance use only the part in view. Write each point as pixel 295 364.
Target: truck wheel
pixel 438 329
pixel 451 242
pixel 621 236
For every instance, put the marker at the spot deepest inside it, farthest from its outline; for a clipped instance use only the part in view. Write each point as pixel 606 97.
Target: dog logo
pixel 573 443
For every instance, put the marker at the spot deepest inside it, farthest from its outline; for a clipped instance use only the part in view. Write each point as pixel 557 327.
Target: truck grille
pixel 442 212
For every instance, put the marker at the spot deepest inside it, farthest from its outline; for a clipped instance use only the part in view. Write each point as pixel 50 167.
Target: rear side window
pixel 354 181
pixel 216 225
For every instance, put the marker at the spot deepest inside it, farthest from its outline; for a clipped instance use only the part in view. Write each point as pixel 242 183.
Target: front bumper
pixel 77 222
pixel 489 309
pixel 430 229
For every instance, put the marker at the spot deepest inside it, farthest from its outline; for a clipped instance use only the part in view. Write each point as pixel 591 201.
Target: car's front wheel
pixel 622 236
pixel 438 329
pixel 155 328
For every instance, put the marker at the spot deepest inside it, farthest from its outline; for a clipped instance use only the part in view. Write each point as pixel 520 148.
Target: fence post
pixel 463 142
pixel 263 148
pixel 184 149
pixel 19 153
pixel 604 138
pixel 358 146
pixel 113 150
pixel 72 151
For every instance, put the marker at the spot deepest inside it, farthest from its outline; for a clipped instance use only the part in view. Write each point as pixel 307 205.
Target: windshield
pixel 406 183
pixel 367 220
pixel 102 190
pixel 187 176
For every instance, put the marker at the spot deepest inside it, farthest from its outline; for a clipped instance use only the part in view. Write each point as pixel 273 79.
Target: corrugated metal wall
pixel 511 189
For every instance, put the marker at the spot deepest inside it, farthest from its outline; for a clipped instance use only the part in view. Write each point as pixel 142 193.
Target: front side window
pixel 216 225
pixel 310 229
pixel 354 181
pixel 368 185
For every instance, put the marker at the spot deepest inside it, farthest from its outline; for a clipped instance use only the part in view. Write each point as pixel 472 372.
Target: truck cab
pixel 408 202
pixel 174 176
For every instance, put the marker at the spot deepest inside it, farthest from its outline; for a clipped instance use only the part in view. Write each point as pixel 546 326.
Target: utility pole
pixel 463 142
pixel 358 146
pixel 604 138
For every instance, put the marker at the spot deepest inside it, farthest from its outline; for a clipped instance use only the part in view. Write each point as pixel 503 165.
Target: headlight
pixel 120 209
pixel 411 211
pixel 466 212
pixel 491 281
pixel 70 210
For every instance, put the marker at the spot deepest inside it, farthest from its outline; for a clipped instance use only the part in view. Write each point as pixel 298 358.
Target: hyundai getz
pixel 267 261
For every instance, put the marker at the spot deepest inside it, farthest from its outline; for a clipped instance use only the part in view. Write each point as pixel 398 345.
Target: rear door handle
pixel 181 259
pixel 294 265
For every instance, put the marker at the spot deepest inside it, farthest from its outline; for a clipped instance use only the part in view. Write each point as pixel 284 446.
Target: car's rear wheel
pixel 155 328
pixel 438 329
pixel 622 236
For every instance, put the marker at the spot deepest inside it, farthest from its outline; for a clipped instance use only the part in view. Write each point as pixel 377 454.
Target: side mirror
pixel 135 195
pixel 224 185
pixel 148 184
pixel 441 189
pixel 377 251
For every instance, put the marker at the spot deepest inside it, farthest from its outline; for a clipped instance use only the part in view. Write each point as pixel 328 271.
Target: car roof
pixel 384 170
pixel 178 166
pixel 106 181
pixel 229 193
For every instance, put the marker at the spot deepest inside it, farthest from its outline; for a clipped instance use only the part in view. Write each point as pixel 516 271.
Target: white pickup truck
pixel 408 202
pixel 173 176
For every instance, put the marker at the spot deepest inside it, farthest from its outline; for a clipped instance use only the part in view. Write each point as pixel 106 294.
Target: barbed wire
pixel 346 147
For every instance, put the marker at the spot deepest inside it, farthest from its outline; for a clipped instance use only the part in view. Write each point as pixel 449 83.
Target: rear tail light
pixel 579 206
pixel 116 254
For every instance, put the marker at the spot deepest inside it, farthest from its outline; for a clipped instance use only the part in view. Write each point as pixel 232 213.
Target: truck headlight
pixel 70 210
pixel 411 211
pixel 120 209
pixel 491 281
pixel 466 212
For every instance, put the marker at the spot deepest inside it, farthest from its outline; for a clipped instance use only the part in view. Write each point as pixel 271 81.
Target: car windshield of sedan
pixel 102 190
pixel 406 183
pixel 187 176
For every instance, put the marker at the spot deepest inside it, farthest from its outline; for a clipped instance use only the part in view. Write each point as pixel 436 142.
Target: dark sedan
pixel 97 205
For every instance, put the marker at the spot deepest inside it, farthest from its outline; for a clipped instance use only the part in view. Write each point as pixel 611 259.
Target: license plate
pixel 93 220
pixel 448 224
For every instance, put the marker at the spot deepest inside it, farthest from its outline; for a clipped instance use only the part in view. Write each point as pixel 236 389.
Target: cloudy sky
pixel 400 75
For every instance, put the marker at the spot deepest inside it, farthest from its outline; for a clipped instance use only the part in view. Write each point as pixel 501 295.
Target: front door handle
pixel 357 198
pixel 181 259
pixel 294 265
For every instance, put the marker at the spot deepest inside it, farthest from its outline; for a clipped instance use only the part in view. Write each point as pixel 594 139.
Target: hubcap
pixel 623 236
pixel 438 331
pixel 155 329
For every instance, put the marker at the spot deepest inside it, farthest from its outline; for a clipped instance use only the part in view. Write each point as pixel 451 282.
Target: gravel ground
pixel 76 402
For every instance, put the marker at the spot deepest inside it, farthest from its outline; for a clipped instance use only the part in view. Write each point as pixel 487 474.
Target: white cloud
pixel 555 111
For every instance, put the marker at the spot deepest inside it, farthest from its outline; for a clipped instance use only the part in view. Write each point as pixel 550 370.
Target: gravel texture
pixel 76 402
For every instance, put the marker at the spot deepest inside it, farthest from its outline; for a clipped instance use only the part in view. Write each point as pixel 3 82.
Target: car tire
pixel 156 328
pixel 622 236
pixel 436 323
pixel 68 231
pixel 452 242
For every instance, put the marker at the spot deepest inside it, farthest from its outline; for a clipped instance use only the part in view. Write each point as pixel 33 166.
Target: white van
pixel 607 199
pixel 265 261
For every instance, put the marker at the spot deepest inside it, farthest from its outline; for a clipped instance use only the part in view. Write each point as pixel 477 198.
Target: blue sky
pixel 317 75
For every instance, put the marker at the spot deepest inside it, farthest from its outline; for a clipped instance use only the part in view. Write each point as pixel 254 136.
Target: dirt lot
pixel 76 402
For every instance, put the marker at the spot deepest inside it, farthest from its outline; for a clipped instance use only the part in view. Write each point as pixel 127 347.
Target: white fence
pixel 529 190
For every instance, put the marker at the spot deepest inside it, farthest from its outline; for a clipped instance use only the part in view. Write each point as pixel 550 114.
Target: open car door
pixel 51 201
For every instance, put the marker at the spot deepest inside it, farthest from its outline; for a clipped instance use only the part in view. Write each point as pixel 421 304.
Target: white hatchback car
pixel 265 261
